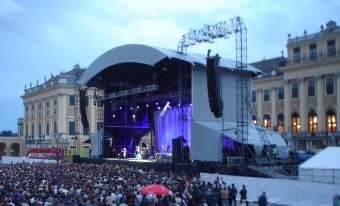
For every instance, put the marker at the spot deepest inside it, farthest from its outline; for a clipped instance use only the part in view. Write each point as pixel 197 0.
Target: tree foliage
pixel 7 133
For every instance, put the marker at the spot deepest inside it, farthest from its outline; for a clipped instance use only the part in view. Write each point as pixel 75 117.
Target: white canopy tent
pixel 322 167
pixel 212 130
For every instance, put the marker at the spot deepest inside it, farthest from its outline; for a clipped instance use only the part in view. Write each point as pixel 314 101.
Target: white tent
pixel 322 167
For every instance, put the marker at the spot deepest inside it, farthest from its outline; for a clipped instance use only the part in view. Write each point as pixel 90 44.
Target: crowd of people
pixel 33 184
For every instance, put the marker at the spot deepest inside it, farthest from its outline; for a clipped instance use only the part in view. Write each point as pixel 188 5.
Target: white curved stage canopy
pixel 148 55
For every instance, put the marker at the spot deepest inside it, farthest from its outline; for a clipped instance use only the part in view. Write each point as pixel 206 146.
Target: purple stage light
pixel 158 108
pixel 156 103
pixel 147 105
pixel 120 108
pixel 130 108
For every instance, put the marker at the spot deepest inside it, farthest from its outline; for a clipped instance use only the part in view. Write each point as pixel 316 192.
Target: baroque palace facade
pixel 299 96
pixel 52 108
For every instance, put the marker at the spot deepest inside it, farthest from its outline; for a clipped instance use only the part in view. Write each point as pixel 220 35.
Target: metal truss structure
pixel 223 30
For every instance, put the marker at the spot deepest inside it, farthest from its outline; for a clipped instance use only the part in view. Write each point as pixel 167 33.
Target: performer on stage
pixel 166 147
pixel 138 155
pixel 124 152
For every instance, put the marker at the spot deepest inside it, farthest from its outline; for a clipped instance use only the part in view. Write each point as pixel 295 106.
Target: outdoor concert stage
pixel 158 97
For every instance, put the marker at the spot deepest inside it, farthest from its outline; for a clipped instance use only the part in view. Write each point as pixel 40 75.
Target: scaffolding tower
pixel 76 109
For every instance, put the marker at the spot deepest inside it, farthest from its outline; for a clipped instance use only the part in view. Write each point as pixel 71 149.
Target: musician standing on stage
pixel 138 155
pixel 124 152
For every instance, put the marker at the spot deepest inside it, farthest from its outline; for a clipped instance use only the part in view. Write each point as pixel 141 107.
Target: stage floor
pixel 131 160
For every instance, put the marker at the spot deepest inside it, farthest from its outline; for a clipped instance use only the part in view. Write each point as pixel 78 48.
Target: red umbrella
pixel 154 189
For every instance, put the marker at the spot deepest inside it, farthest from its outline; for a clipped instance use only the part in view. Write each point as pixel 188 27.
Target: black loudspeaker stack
pixel 82 104
pixel 176 150
pixel 214 87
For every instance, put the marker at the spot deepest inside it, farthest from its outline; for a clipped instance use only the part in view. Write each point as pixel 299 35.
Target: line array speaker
pixel 214 87
pixel 82 104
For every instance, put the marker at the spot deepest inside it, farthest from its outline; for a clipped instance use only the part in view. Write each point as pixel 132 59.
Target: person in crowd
pixel 224 196
pixel 263 200
pixel 233 193
pixel 243 193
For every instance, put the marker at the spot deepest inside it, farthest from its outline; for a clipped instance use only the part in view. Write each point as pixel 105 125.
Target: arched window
pixel 266 121
pixel 296 123
pixel 312 122
pixel 280 123
pixel 254 119
pixel 331 121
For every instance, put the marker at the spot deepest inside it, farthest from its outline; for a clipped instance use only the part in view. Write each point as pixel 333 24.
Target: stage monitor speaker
pixel 214 87
pixel 82 104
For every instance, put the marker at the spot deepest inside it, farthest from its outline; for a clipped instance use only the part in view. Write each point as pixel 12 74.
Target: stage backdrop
pixel 169 126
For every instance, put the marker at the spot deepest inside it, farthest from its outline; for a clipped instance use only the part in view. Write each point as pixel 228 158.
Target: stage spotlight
pixel 147 105
pixel 158 108
pixel 134 116
pixel 131 108
pixel 156 103
pixel 190 105
pixel 114 116
pixel 137 107
pixel 120 108
pixel 164 109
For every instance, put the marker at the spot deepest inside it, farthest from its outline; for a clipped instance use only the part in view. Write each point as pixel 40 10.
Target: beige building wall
pixel 302 68
pixel 47 110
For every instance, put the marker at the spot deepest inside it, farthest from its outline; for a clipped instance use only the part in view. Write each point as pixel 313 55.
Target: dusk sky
pixel 43 37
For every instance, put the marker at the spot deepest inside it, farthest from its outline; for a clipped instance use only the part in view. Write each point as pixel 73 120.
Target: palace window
pixel 330 121
pixel 85 131
pixel 296 55
pixel 39 129
pixel 253 96
pixel 312 52
pixel 47 103
pixel 71 99
pixel 280 123
pixel 71 128
pixel 47 128
pixel 280 93
pixel 311 88
pixel 331 48
pixel 32 130
pixel 266 95
pixel 296 124
pixel 55 127
pixel 312 122
pixel 295 90
pixel 329 85
pixel 266 121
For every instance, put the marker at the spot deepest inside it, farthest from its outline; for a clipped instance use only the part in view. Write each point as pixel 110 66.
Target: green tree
pixel 7 133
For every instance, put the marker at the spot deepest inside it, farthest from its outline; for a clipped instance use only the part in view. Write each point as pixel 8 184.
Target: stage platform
pixel 164 164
